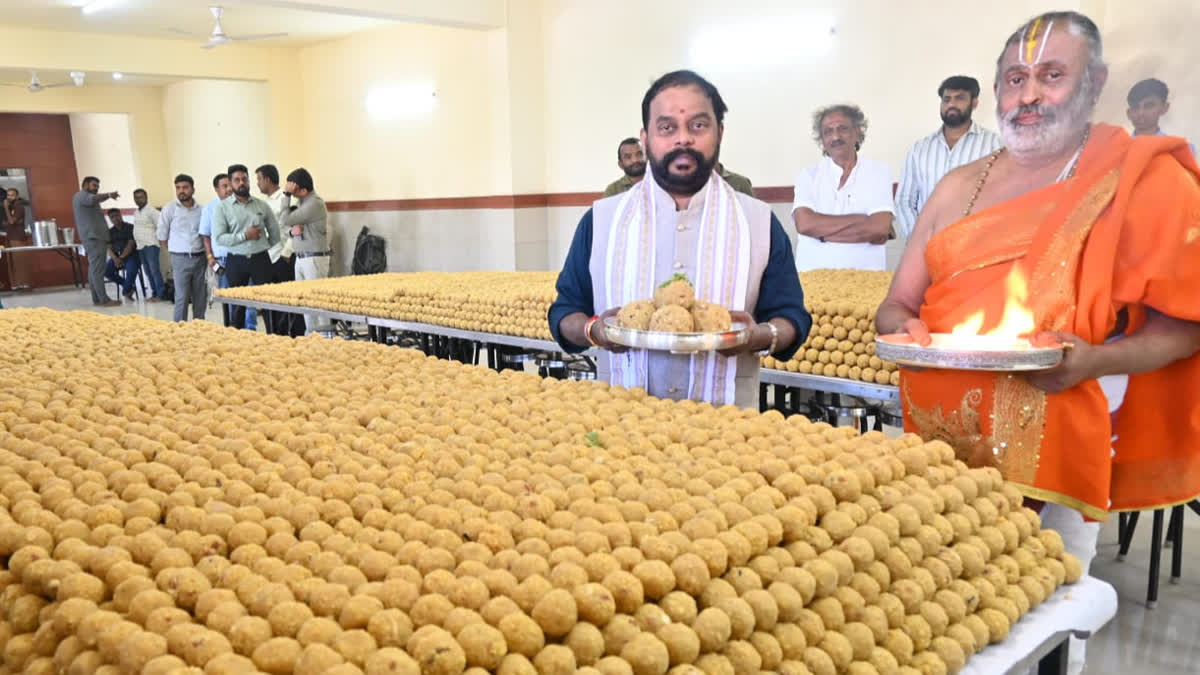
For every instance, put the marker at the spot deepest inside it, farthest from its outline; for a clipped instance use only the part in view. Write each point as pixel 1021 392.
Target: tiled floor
pixel 1161 641
pixel 73 299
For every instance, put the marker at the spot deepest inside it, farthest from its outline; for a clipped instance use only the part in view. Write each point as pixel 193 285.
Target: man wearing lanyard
pixel 306 225
pixel 246 227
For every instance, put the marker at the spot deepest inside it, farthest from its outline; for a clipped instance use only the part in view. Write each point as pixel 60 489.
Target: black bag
pixel 168 290
pixel 370 254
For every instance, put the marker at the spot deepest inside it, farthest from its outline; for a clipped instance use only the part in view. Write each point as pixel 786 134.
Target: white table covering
pixel 1080 610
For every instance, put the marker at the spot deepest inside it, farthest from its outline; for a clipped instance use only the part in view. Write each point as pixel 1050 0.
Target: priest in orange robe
pixel 1095 233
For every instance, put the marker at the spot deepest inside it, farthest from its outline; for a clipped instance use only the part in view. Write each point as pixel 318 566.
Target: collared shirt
pixel 618 186
pixel 737 181
pixel 311 215
pixel 179 226
pixel 779 292
pixel 233 218
pixel 279 202
pixel 89 219
pixel 120 236
pixel 145 226
pixel 206 215
pixel 1163 133
pixel 868 190
pixel 931 158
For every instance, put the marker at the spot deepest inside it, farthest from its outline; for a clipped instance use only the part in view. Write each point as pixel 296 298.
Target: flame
pixel 1015 321
pixel 971 326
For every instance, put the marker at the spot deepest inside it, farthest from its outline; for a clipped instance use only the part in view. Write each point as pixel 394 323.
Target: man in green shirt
pixel 632 161
pixel 736 180
pixel 246 227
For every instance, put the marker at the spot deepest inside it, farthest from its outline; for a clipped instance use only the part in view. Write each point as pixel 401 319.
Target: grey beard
pixel 1061 127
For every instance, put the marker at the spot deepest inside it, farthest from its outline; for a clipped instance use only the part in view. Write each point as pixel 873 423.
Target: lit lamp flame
pixel 1016 320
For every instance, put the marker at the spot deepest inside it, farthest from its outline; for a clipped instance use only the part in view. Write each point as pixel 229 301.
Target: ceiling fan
pixel 35 85
pixel 218 36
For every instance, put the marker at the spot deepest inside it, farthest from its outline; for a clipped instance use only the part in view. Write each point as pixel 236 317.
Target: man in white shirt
pixel 843 204
pixel 959 141
pixel 145 235
pixel 283 260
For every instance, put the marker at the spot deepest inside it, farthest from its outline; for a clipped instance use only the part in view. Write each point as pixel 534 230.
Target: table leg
pixel 1155 559
pixel 1127 536
pixel 1055 663
pixel 1176 527
pixel 72 257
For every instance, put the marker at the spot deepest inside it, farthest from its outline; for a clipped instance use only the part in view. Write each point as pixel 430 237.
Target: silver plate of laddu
pixel 968 352
pixel 677 343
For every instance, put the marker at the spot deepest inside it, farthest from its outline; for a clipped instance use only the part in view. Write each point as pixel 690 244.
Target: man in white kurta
pixel 843 204
pixel 684 220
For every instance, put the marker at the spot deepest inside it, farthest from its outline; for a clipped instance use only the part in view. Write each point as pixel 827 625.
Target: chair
pixel 1126 524
pixel 139 281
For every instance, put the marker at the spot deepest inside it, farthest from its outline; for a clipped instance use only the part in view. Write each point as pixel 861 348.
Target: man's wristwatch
pixel 774 340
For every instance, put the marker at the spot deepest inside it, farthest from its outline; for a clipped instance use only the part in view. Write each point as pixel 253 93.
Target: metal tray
pixel 677 343
pixel 975 352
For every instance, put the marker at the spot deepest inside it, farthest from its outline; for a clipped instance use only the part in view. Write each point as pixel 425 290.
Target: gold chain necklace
pixel 996 155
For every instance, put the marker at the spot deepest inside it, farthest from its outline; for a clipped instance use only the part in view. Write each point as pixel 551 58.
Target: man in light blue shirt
pixel 179 232
pixel 217 253
pixel 247 228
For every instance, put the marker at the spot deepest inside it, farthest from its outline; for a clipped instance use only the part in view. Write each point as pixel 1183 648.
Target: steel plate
pixel 975 352
pixel 677 343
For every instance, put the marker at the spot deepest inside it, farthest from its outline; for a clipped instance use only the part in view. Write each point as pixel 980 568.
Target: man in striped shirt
pixel 959 141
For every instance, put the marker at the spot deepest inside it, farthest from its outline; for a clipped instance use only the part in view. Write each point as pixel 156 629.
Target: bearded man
pixel 959 141
pixel 1097 234
pixel 632 163
pixel 685 221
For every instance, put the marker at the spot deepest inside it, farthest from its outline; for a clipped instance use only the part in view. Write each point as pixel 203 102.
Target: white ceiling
pixel 153 18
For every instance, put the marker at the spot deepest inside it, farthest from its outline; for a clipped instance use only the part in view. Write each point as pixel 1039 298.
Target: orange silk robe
pixel 1123 233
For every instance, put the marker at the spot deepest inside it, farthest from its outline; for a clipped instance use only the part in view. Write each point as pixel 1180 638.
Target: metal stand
pixel 1055 663
pixel 1127 523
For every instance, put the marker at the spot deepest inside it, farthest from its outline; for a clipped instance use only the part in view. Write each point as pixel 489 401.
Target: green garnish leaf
pixel 677 277
pixel 593 439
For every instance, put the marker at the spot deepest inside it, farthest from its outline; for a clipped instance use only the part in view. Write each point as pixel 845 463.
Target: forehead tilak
pixel 1033 42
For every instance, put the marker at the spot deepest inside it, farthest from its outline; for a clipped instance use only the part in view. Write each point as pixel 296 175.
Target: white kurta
pixel 868 190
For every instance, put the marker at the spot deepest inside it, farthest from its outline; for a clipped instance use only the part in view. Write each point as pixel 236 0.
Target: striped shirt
pixel 928 160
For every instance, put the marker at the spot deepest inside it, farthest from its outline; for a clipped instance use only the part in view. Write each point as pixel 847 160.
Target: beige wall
pixel 104 148
pixel 439 150
pixel 142 107
pixel 774 64
pixel 213 123
pixel 1154 38
pixel 279 121
pixel 538 105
